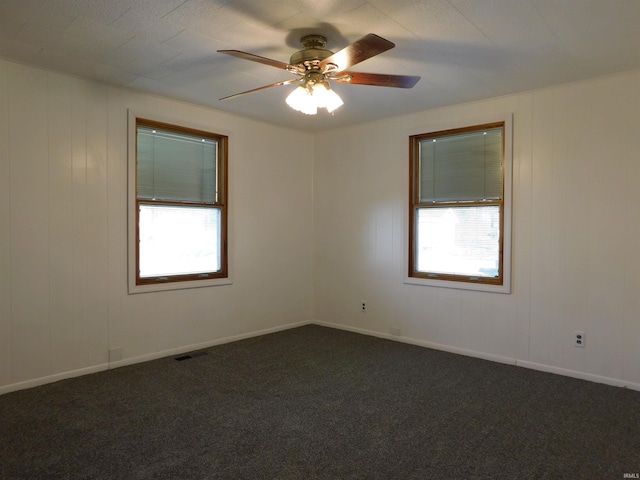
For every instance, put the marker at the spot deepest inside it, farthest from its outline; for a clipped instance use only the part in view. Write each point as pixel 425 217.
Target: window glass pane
pixel 461 167
pixel 458 240
pixel 179 240
pixel 175 166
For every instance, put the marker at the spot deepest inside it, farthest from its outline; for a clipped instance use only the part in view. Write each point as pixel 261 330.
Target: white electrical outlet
pixel 579 339
pixel 363 307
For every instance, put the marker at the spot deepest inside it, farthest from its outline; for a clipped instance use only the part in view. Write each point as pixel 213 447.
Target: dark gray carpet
pixel 318 403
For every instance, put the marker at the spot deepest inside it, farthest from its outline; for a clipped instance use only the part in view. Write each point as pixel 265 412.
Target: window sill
pixel 161 287
pixel 478 287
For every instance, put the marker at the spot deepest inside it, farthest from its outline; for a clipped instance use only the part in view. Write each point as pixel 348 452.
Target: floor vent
pixel 191 355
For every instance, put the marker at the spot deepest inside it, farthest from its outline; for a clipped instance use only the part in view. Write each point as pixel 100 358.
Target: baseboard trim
pixel 36 382
pixel 615 382
pixel 202 345
pixel 422 343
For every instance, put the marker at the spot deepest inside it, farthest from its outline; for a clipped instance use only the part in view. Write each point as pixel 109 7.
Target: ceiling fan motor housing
pixel 313 50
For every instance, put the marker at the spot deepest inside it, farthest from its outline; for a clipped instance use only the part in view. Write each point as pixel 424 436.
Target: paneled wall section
pixel 63 229
pixel 575 234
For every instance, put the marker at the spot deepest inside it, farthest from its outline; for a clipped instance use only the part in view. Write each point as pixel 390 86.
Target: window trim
pixel 463 282
pixel 137 285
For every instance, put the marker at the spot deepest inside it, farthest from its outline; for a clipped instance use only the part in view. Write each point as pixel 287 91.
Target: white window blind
pixel 461 167
pixel 176 167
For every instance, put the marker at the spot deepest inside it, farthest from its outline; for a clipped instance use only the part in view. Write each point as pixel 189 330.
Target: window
pixel 178 197
pixel 459 221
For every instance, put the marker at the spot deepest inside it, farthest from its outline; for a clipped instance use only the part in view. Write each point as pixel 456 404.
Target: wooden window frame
pixel 501 283
pixel 138 284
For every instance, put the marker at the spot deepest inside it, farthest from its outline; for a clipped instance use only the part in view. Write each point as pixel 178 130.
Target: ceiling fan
pixel 315 66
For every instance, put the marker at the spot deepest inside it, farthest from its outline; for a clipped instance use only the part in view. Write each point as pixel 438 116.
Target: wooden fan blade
pixel 377 79
pixel 278 84
pixel 368 46
pixel 257 58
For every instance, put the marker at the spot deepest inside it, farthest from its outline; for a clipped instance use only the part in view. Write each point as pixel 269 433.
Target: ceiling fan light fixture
pixel 301 99
pixel 308 98
pixel 326 97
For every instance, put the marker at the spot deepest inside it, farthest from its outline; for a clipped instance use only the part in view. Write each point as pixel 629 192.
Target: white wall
pixel 576 234
pixel 63 291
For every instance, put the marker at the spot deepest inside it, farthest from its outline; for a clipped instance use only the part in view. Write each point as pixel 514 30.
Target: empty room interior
pixel 466 198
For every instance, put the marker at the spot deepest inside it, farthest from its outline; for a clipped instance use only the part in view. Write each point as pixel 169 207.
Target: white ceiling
pixel 463 49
